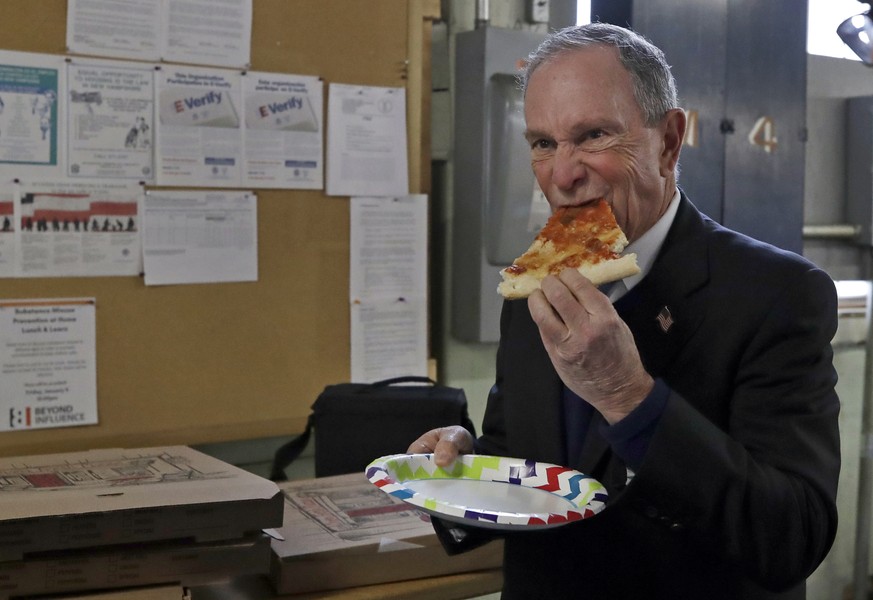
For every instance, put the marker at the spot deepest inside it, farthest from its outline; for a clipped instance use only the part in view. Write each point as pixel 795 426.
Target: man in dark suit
pixel 699 392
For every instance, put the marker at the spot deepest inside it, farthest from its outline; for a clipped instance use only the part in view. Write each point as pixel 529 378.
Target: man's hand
pixel 446 443
pixel 592 349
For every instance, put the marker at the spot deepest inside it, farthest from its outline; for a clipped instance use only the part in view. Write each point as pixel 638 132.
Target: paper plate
pixel 490 491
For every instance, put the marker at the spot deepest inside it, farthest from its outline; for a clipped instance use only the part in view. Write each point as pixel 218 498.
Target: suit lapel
pixel 668 305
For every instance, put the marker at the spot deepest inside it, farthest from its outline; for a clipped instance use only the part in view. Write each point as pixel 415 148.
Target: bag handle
pixel 404 379
pixel 289 452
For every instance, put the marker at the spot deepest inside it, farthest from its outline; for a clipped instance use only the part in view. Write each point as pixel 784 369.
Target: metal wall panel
pixel 487 120
pixel 766 79
pixel 736 62
pixel 697 57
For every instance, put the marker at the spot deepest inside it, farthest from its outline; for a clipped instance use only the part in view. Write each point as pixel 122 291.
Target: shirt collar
pixel 646 249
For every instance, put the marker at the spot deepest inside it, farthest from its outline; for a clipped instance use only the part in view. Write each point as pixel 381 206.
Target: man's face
pixel 588 139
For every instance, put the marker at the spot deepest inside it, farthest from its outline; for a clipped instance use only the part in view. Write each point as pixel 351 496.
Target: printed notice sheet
pixel 47 363
pixel 388 287
pixel 118 28
pixel 8 227
pixel 366 141
pixel 283 131
pixel 208 32
pixel 199 140
pixel 78 228
pixel 111 118
pixel 200 237
pixel 201 32
pixel 31 116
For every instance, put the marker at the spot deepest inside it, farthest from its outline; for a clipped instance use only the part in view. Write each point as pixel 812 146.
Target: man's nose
pixel 567 170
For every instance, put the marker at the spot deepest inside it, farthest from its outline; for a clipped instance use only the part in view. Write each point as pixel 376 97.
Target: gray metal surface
pixel 492 193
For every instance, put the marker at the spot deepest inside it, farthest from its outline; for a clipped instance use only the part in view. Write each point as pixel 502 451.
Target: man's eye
pixel 541 144
pixel 594 134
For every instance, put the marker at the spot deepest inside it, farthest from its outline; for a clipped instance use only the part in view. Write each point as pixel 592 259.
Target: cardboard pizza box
pixel 104 497
pixel 343 531
pixel 159 592
pixel 154 563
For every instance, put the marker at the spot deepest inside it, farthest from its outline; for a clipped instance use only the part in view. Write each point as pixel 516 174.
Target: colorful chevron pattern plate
pixel 495 492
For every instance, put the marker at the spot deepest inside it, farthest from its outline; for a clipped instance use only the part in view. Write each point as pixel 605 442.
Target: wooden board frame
pixel 194 364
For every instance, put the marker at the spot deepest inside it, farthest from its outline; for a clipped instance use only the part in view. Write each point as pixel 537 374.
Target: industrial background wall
pixel 202 363
pixel 740 66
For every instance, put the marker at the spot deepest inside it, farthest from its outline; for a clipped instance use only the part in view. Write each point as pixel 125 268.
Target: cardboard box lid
pixel 54 485
pixel 344 532
pixel 108 497
pixel 347 513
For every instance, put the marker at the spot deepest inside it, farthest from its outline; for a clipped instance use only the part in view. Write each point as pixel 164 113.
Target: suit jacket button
pixel 651 512
pixel 676 526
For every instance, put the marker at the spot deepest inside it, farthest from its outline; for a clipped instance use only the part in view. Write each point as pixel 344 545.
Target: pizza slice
pixel 586 238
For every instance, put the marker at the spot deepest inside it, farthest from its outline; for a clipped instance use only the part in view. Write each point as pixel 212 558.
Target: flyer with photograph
pixel 31 114
pixel 78 228
pixel 111 120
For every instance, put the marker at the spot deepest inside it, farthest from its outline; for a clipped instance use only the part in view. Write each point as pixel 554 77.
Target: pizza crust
pixel 606 271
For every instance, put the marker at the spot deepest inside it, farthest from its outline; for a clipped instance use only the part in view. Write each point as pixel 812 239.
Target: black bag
pixel 357 423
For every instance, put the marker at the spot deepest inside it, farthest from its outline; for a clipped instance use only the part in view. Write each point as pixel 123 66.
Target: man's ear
pixel 673 131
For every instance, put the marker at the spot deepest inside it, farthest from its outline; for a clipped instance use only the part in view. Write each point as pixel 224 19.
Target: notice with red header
pixel 78 228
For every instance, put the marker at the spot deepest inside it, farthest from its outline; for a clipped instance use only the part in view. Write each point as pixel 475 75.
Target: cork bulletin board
pixel 192 364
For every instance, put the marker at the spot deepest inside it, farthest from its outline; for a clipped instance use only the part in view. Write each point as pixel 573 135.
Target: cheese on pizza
pixel 586 238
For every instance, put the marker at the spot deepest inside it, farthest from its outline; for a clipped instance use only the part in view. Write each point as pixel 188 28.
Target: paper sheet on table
pixel 366 141
pixel 200 237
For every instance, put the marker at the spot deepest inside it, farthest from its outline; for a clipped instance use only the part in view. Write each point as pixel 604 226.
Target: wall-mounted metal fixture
pixel 857 33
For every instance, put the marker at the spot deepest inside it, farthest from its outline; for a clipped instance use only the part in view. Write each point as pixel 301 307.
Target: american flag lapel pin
pixel 665 319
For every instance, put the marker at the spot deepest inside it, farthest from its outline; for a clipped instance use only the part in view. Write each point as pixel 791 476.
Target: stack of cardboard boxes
pixel 111 519
pixel 343 531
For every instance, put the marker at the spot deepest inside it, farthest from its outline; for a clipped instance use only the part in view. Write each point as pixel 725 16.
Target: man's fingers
pixel 446 443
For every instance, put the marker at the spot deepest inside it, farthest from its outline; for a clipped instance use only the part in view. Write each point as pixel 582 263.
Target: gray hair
pixel 653 83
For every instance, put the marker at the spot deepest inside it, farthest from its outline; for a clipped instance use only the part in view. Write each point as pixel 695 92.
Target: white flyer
pixel 388 247
pixel 208 32
pixel 199 138
pixel 32 118
pixel 388 286
pixel 366 141
pixel 118 28
pixel 388 339
pixel 111 120
pixel 283 131
pixel 47 363
pixel 78 228
pixel 200 237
